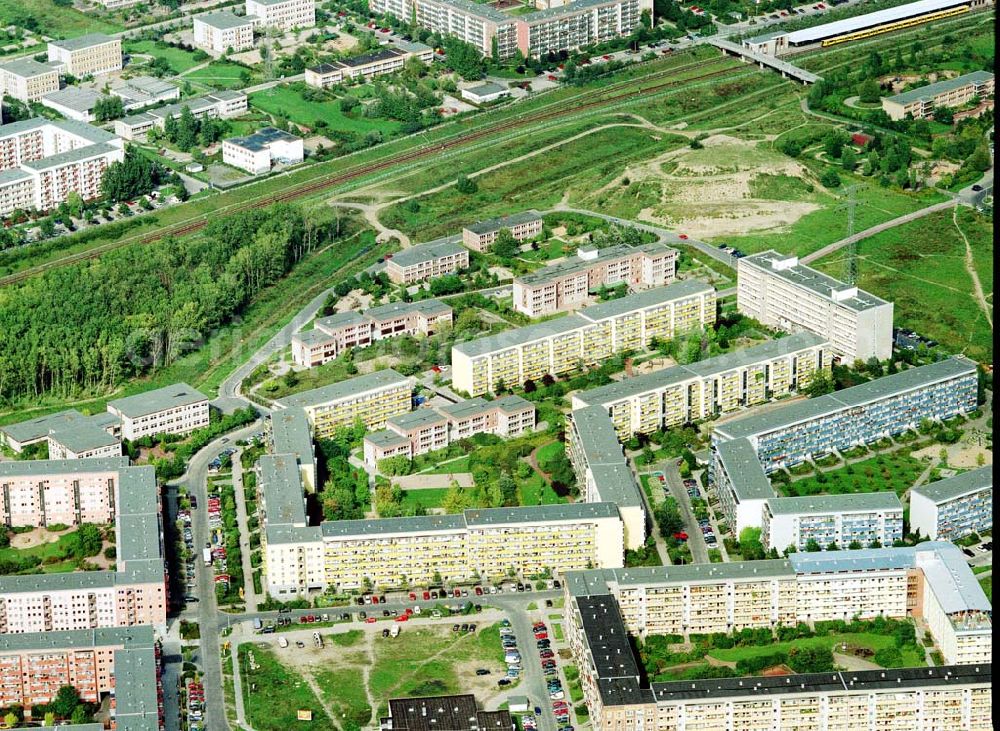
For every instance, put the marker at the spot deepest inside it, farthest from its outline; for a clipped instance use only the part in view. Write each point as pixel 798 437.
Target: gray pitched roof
pixel 385 378
pixel 160 399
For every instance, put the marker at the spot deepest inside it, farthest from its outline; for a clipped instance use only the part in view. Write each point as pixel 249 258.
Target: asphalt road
pixel 696 540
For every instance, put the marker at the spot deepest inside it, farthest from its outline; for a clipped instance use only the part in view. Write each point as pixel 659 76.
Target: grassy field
pixel 536 491
pixel 550 451
pixel 278 694
pixel 427 498
pixel 56 21
pixel 920 267
pixel 287 101
pixel 218 75
pixel 863 640
pixel 896 471
pixel 47 551
pixel 987 584
pixel 460 464
pixel 343 691
pixel 179 59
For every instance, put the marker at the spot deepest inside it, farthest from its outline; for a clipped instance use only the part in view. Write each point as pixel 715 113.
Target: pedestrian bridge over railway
pixel 783 67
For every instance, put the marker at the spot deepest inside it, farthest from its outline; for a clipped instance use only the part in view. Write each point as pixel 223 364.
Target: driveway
pixel 696 540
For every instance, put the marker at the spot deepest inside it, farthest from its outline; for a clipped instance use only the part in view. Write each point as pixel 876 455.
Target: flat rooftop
pixel 797 274
pixel 27 67
pixel 262 139
pixel 436 713
pixel 70 156
pixel 941 87
pixel 428 308
pixel 281 486
pixel 576 263
pixel 386 378
pixel 224 20
pixel 75 98
pixel 852 503
pixel 85 41
pixel 417 419
pixel 83 437
pixel 485 89
pixel 968 482
pixel 515 219
pixel 383 55
pixel 160 399
pixel 421 253
pixel 290 434
pixel 646 298
pixel 746 475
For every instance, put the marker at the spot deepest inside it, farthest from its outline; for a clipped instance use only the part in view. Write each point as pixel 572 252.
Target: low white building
pixel 223 104
pixel 85 440
pixel 142 91
pixel 259 151
pixel 485 93
pixel 73 102
pixel 224 32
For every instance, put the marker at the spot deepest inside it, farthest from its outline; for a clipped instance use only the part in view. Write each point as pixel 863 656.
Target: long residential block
pixel 283 15
pixel 863 519
pixel 481 235
pixel 369 65
pixel 427 261
pixel 780 292
pixel 745 450
pixel 720 385
pixel 955 507
pixel 222 104
pixel 595 333
pixel 568 284
pixel 176 409
pixel 370 399
pixel 45 492
pixel 920 103
pixel 334 335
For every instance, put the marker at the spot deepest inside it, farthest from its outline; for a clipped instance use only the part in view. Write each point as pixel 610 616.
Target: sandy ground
pixel 36 537
pixel 353 302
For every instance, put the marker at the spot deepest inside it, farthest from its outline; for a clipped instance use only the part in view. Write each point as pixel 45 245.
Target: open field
pixel 987 584
pixel 218 75
pixel 278 694
pixel 55 20
pixel 288 102
pixel 179 59
pixel 427 497
pixel 921 267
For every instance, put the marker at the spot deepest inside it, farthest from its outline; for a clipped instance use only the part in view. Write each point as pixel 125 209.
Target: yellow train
pixel 898 25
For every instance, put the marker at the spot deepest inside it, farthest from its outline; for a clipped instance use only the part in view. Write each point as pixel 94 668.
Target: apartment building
pixel 429 429
pixel 70 492
pixel 955 507
pixel 780 292
pixel 705 389
pixel 45 160
pixel 334 335
pixel 847 521
pixel 87 55
pixel 176 409
pixel 28 80
pixel 369 65
pixel 290 434
pixel 920 103
pixel 34 431
pixel 427 261
pixel 223 32
pixel 122 664
pixel 557 27
pixel 284 15
pixel 835 422
pixel 142 91
pixel 259 152
pixel 569 283
pixel 603 473
pixel 371 398
pixel 522 226
pixel 223 104
pixel 590 336
pixel 83 441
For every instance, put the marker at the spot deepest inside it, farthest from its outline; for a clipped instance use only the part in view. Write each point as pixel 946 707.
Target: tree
pixel 465 185
pixel 751 547
pixel 187 130
pixel 869 92
pixel 134 176
pixel 849 159
pixel 348 103
pixel 67 698
pixel 506 246
pixel 821 384
pixel 10 720
pixel 108 107
pixel 830 179
pixel 812 546
pixel 944 115
pixel 74 204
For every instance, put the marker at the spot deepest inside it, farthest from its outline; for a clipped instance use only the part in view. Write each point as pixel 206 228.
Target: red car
pixel 384 30
pixel 440 51
pixel 681 536
pixel 552 78
pixel 606 57
pixel 546 654
pixel 458 592
pixel 541 636
pixel 409 611
pixel 683 237
pixel 402 617
pixel 413 597
pixel 479 591
pixel 426 595
pixel 371 620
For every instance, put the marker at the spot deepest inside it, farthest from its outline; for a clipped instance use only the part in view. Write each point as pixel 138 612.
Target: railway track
pixel 566 108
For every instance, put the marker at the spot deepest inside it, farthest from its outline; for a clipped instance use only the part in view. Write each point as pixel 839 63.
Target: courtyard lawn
pixel 286 101
pixel 536 491
pixel 911 657
pixel 427 498
pixel 279 693
pixel 179 59
pixel 461 464
pixel 218 75
pixel 552 249
pixel 549 452
pixel 896 471
pixel 987 584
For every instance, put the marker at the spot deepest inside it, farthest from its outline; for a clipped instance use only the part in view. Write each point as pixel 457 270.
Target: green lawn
pixel 179 59
pixel 56 20
pixel 987 584
pixel 61 548
pixel 461 464
pixel 550 451
pixel 536 491
pixel 920 267
pixel 346 639
pixel 278 695
pixel 287 101
pixel 218 75
pixel 426 498
pixel 896 471
pixel 552 249
pixel 344 692
pixel 874 642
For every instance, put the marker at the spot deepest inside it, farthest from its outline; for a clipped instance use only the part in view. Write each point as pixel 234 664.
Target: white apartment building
pixel 558 346
pixel 847 521
pixel 377 63
pixel 522 226
pixel 955 507
pixel 780 292
pixel 223 104
pixel 570 283
pixel 83 441
pixel 28 80
pixel 223 32
pixel 921 103
pixel 427 261
pixel 42 161
pixel 176 409
pixel 284 15
pixel 90 54
pixel 266 147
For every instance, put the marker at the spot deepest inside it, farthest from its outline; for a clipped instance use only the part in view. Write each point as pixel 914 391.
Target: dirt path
pixel 970 267
pixel 370 212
